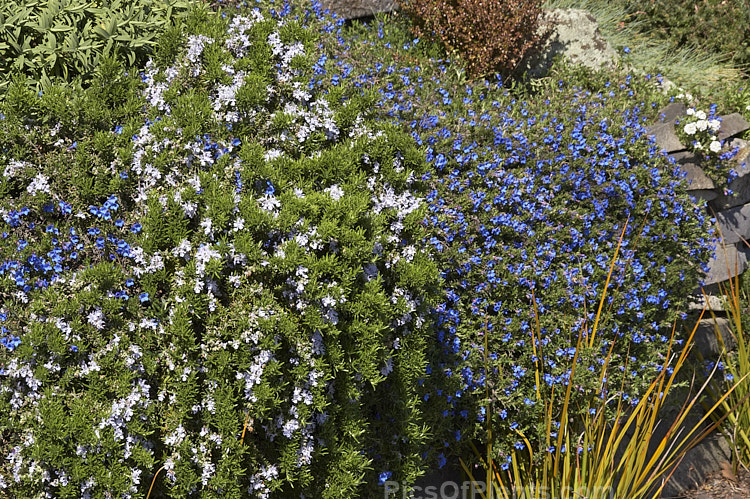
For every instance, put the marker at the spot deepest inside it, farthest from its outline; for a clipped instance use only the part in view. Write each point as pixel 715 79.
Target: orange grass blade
pixel 606 284
pixel 153 482
pixel 244 427
pixel 533 345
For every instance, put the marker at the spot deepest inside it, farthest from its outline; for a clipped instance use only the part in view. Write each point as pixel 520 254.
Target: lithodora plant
pixel 529 189
pixel 602 453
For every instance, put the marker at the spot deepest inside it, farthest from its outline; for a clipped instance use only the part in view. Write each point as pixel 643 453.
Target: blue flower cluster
pixel 66 250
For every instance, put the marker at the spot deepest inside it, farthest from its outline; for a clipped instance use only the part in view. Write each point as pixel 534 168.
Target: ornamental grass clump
pixel 720 27
pixel 222 295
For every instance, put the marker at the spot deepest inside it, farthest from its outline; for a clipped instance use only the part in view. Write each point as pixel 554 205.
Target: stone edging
pixel 732 214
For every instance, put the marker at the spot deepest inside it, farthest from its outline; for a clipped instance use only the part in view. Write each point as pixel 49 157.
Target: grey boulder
pixel 574 34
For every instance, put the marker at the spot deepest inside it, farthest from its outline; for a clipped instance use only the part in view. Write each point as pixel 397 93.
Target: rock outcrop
pixel 573 33
pixel 732 211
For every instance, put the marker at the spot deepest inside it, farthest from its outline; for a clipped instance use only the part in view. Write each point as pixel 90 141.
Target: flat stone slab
pixel 696 177
pixel 714 303
pixel 743 155
pixel 735 142
pixel 740 187
pixel 671 112
pixel 727 263
pixel 665 137
pixel 703 195
pixel 734 224
pixel 706 340
pixel 731 125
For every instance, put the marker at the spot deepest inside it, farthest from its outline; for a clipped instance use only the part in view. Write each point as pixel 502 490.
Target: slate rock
pixel 734 224
pixel 736 142
pixel 706 340
pixel 665 137
pixel 731 125
pixel 352 9
pixel 574 34
pixel 728 262
pixel 673 111
pixel 707 457
pixel 743 154
pixel 740 186
pixel 703 195
pixel 696 177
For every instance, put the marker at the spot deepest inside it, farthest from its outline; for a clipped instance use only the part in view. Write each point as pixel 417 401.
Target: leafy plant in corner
pixel 66 39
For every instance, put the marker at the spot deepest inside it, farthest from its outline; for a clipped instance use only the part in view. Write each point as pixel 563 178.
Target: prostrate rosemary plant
pixel 227 287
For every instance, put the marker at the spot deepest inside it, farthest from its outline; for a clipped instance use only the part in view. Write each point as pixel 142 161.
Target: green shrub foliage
pixel 227 288
pixel 489 36
pixel 44 39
